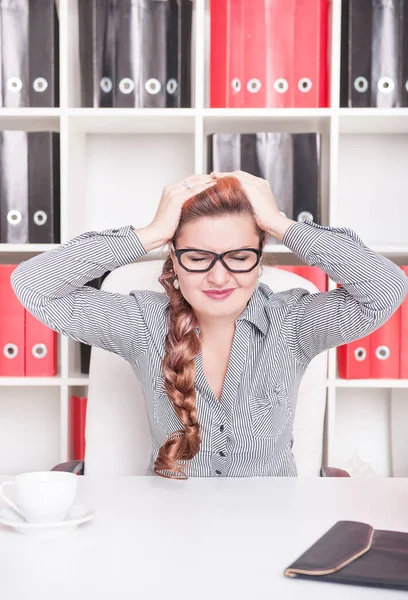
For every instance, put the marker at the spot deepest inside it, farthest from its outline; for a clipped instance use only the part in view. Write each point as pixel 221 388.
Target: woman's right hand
pixel 171 202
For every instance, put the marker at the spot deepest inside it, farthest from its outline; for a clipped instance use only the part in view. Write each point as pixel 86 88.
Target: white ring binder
pixel 39 351
pixel 360 84
pixel 106 84
pixel 386 85
pixel 305 84
pixel 305 215
pixel 40 84
pixel 10 351
pixel 14 217
pixel 281 85
pixel 254 85
pixel 236 84
pixel 40 217
pixel 153 86
pixel 360 354
pixel 14 84
pixel 382 352
pixel 171 86
pixel 126 85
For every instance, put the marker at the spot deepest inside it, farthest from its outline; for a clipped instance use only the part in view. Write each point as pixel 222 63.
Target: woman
pixel 220 356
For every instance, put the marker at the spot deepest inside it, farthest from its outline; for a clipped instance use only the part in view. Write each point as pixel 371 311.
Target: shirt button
pixel 218 472
pixel 222 453
pixel 222 428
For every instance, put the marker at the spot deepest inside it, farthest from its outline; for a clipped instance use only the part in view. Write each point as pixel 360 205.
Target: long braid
pixel 182 345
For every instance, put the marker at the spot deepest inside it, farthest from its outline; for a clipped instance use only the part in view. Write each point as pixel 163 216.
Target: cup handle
pixel 9 502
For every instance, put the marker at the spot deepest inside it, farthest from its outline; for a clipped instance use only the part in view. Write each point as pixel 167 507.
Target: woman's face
pixel 219 234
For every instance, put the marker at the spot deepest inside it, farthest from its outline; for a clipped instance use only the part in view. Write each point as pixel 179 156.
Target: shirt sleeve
pixel 51 286
pixel 373 288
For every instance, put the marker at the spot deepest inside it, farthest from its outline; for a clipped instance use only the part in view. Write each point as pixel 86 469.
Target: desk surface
pixel 204 538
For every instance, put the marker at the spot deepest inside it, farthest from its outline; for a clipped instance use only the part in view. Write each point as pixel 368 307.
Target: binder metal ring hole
pixel 360 354
pixel 361 84
pixel 126 85
pixel 172 86
pixel 40 84
pixel 281 85
pixel 382 352
pixel 39 351
pixel 106 84
pixel 236 84
pixel 254 85
pixel 305 84
pixel 153 86
pixel 14 84
pixel 10 351
pixel 14 217
pixel 40 217
pixel 386 85
pixel 305 215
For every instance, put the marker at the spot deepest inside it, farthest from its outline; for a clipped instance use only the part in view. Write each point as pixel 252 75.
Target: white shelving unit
pixel 114 164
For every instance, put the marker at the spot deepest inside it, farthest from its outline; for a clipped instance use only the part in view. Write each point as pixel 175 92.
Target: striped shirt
pixel 249 431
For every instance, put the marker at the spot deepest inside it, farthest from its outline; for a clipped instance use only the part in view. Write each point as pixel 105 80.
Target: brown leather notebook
pixel 354 553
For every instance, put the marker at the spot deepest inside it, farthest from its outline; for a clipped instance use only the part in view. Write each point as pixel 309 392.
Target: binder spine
pixel 154 55
pixel 43 54
pixel 360 49
pixel 310 80
pixel 254 85
pixel 384 91
pixel 345 99
pixel 129 51
pixel 219 73
pixel 225 152
pixel 403 55
pixel 275 156
pixel 43 189
pixel 97 31
pixel 235 80
pixel 13 187
pixel 306 184
pixel 184 55
pixel 249 154
pixel 280 53
pixel 14 53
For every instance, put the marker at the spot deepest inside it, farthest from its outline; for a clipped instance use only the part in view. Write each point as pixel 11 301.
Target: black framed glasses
pixel 241 260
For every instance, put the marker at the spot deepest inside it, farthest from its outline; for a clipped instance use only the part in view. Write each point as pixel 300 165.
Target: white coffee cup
pixel 42 496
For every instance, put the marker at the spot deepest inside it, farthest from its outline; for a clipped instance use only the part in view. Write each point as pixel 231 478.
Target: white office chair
pixel 118 440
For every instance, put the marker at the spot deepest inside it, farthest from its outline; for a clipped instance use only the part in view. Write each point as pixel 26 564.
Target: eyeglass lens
pixel 238 260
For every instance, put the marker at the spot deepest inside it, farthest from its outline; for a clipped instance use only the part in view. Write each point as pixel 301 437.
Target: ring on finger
pixel 187 185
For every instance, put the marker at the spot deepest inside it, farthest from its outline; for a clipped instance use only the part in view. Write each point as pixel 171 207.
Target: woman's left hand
pixel 260 195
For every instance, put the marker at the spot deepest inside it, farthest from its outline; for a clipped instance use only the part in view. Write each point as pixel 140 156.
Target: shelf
pixel 295 120
pixel 30 119
pixel 80 379
pixel 373 120
pixel 30 381
pixel 26 248
pixel 132 120
pixel 369 383
pixel 391 250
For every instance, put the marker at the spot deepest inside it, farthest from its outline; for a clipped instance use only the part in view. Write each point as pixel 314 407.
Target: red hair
pixel 182 344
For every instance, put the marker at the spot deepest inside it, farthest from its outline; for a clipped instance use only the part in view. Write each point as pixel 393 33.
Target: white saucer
pixel 77 514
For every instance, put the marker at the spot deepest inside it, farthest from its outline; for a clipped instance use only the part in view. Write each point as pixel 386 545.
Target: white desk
pixel 204 538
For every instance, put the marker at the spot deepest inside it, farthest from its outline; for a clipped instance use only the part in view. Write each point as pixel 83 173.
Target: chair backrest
pixel 118 440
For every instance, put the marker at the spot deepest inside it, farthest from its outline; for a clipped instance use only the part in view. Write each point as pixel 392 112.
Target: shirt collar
pixel 255 311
